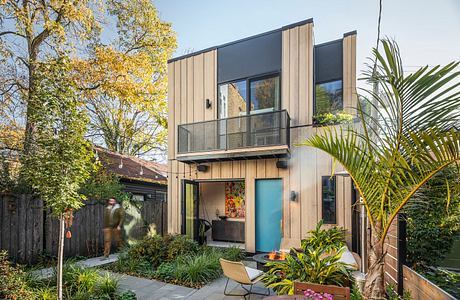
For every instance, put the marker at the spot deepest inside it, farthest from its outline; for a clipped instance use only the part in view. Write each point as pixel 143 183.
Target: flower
pixel 311 294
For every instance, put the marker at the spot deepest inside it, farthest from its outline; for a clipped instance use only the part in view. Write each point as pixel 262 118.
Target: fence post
pixel 402 250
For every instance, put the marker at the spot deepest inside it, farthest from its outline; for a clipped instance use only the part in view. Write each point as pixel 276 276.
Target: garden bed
pixel 174 259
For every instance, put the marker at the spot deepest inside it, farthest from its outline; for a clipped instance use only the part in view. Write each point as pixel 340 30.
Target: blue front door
pixel 269 195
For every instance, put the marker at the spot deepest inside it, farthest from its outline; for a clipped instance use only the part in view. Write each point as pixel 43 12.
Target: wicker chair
pixel 336 291
pixel 243 275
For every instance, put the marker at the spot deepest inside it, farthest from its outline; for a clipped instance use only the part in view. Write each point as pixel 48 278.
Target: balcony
pixel 260 135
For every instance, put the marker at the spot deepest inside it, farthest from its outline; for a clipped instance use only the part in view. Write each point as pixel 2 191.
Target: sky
pixel 427 32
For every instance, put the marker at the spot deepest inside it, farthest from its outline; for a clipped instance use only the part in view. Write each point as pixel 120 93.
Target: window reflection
pixel 328 97
pixel 232 99
pixel 265 95
pixel 328 199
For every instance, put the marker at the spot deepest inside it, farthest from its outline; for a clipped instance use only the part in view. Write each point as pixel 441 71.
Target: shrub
pixel 199 269
pixel 132 265
pixel 433 219
pixel 13 283
pixel 128 295
pixel 233 253
pixel 152 248
pixel 107 285
pixel 326 119
pixel 178 245
pixel 313 266
pixel 331 239
pixel 318 262
pixel 166 271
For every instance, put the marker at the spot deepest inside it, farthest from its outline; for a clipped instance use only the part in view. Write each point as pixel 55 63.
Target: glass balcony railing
pixel 249 131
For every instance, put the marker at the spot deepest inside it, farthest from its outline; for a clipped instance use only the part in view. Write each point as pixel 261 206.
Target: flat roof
pixel 300 23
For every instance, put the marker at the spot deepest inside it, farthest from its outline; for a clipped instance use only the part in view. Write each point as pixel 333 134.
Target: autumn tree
pixel 124 81
pixel 28 30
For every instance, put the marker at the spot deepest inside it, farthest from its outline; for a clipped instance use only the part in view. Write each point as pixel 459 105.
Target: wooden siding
pixel 350 96
pixel 194 79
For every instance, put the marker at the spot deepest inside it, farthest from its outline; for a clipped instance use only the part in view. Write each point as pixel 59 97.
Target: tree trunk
pixel 374 287
pixel 60 256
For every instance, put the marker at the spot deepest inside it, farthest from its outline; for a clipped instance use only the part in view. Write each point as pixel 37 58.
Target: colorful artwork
pixel 234 200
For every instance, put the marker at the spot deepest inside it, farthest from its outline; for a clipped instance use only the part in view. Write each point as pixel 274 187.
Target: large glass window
pixel 265 95
pixel 328 97
pixel 236 100
pixel 328 199
pixel 232 99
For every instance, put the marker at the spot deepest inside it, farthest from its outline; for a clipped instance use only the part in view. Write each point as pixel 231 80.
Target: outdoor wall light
pixel 202 168
pixel 282 164
pixel 293 196
pixel 208 104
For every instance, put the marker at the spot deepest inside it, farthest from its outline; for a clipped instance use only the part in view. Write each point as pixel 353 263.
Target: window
pixel 249 96
pixel 328 97
pixel 265 95
pixel 232 99
pixel 328 199
pixel 160 196
pixel 138 197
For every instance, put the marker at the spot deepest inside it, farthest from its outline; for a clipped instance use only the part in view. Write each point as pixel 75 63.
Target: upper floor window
pixel 249 96
pixel 328 198
pixel 328 97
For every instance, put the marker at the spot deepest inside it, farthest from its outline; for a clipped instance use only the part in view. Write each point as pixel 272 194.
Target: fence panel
pixel 28 231
pixel 421 288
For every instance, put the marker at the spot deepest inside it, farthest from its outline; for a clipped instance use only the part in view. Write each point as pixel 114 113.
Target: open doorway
pixel 214 212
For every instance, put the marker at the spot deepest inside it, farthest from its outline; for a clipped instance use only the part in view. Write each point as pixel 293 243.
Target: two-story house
pixel 236 113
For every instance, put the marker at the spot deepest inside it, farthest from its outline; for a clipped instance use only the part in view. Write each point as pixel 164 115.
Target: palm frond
pixel 407 139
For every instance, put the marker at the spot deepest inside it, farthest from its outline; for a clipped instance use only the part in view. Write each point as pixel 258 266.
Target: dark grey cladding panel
pixel 329 61
pixel 253 56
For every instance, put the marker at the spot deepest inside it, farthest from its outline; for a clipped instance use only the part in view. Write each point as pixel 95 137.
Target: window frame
pixel 334 178
pixel 322 82
pixel 248 90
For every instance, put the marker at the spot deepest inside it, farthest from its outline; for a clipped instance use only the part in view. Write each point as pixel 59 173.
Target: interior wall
pixel 212 197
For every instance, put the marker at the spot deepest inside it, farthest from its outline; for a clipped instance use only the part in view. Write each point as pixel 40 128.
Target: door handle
pixel 281 227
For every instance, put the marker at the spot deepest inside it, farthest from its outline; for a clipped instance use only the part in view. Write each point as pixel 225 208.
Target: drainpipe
pixel 363 215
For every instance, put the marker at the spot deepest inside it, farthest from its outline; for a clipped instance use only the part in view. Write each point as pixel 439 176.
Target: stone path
pixel 146 289
pixel 87 263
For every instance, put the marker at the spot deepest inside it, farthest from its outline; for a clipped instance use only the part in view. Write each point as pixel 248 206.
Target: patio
pixel 146 289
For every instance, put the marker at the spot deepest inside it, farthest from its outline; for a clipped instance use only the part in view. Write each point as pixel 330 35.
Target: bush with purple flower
pixel 312 295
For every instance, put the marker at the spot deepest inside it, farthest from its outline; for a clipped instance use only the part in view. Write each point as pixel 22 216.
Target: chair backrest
pixel 336 291
pixel 235 270
pixel 286 244
pixel 358 259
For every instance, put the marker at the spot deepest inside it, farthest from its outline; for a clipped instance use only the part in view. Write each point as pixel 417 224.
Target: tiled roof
pixel 131 167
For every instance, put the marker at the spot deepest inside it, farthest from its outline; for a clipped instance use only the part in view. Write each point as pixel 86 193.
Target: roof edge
pixel 296 24
pixel 354 32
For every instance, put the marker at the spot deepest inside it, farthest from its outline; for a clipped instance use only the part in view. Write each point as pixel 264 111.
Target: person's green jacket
pixel 113 217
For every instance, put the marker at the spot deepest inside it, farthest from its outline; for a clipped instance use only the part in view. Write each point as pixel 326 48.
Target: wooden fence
pixel 421 288
pixel 28 231
pixel 397 273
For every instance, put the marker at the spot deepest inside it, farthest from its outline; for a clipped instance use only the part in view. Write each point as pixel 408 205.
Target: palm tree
pixel 389 157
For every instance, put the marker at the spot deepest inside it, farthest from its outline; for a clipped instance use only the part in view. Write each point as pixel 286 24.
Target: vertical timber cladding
pixel 350 96
pixel 193 79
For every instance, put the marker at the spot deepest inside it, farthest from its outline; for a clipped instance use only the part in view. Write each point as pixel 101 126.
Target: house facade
pixel 236 115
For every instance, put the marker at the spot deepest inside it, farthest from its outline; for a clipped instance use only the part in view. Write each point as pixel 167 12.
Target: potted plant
pixel 318 262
